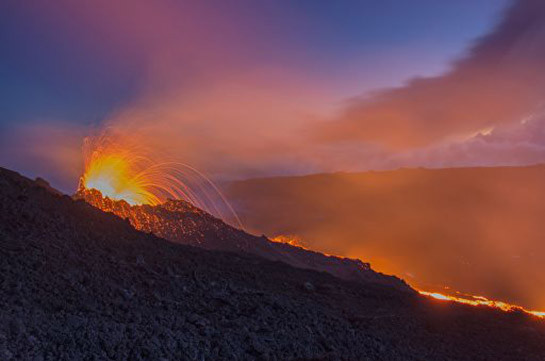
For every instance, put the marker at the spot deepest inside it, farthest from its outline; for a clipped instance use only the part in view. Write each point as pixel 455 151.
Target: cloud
pixel 215 90
pixel 500 81
pixel 242 124
pixel 40 148
pixel 510 145
pixel 210 88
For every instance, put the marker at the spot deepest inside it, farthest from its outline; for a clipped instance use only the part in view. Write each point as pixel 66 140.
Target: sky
pixel 244 88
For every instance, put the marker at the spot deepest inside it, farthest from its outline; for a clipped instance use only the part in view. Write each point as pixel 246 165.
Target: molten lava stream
pixel 480 301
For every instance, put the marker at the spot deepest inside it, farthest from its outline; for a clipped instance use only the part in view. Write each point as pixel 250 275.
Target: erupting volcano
pixel 122 170
pixel 173 200
pixel 272 180
pixel 177 202
pixel 87 282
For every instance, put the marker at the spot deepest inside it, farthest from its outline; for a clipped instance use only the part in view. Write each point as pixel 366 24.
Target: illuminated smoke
pixel 122 169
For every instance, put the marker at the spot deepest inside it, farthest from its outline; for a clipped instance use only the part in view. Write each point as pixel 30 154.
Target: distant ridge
pixel 464 228
pixel 181 222
pixel 77 283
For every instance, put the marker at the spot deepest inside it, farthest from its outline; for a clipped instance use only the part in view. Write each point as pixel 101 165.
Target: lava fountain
pixel 123 170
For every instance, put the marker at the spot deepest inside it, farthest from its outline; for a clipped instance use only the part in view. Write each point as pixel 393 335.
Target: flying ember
pixel 121 169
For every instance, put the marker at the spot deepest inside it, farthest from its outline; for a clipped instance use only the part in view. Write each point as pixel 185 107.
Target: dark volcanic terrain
pixel 181 222
pixel 80 284
pixel 476 230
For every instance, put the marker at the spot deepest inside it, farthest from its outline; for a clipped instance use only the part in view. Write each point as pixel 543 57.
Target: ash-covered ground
pixel 80 284
pixel 181 222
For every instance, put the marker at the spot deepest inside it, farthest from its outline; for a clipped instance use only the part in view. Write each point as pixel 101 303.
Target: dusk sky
pixel 271 87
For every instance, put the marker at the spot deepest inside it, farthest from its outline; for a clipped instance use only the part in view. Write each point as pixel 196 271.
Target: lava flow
pixel 121 169
pixel 471 300
pixel 480 301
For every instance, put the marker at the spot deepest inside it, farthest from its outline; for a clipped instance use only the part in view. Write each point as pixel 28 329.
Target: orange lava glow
pixel 471 300
pixel 116 177
pixel 480 301
pixel 124 171
pixel 289 239
pixel 121 169
pixel 297 241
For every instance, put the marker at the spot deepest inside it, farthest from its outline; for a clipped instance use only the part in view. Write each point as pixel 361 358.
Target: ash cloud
pixel 499 82
pixel 222 98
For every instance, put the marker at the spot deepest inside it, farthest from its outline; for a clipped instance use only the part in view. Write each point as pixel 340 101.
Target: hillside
pixel 181 222
pixel 80 284
pixel 476 230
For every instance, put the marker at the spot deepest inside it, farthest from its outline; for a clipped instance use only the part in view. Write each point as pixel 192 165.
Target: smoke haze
pixel 238 97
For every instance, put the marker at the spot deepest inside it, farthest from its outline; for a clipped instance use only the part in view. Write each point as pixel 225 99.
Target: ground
pixel 80 284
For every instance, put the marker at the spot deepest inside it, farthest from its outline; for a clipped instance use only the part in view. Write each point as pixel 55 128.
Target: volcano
pixel 78 283
pixel 474 230
pixel 181 222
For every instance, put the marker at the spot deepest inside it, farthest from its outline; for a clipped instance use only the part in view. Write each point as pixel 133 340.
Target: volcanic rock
pixel 77 283
pixel 181 222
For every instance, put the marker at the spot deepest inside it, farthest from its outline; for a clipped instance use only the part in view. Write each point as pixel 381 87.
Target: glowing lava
pixel 113 175
pixel 471 300
pixel 480 301
pixel 121 169
pixel 289 239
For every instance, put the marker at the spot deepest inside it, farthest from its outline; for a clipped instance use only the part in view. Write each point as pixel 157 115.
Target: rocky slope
pixel 77 283
pixel 477 230
pixel 181 222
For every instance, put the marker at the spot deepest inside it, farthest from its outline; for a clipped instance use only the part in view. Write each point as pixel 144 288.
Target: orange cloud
pixel 499 82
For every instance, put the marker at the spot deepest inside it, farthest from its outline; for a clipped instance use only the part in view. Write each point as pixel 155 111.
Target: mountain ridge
pixel 463 228
pixel 181 222
pixel 78 283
